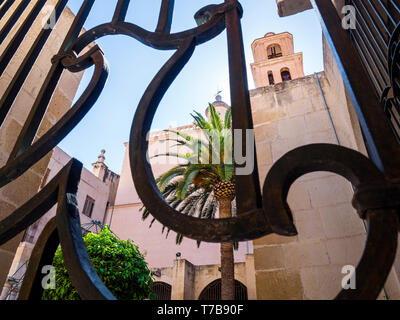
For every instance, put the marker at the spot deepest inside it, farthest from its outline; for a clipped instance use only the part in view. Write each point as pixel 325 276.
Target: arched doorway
pixel 162 290
pixel 213 291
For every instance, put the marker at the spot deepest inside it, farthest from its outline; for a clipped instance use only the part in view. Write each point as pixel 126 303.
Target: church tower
pixel 275 60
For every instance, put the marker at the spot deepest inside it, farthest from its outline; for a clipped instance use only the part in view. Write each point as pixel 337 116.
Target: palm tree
pixel 204 182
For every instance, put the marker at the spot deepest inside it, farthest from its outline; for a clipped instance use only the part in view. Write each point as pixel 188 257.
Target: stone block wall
pixel 188 281
pixel 330 233
pixel 340 250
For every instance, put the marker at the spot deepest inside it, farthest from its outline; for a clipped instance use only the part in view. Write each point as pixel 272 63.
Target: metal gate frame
pixel 375 180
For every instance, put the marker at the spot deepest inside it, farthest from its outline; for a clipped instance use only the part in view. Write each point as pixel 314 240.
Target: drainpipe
pixel 327 109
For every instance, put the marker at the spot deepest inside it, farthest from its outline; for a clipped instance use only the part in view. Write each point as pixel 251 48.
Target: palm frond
pixel 188 187
pixel 228 119
pixel 215 118
pixel 201 122
pixel 163 180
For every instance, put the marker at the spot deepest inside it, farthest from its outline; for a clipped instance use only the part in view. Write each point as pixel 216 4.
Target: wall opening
pixel 274 51
pixel 213 291
pixel 162 290
pixel 285 74
pixel 271 79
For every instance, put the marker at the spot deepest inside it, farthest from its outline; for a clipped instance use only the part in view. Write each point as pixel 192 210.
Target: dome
pixel 219 105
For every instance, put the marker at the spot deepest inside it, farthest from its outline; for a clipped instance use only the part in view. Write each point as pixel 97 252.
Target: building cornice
pixel 279 60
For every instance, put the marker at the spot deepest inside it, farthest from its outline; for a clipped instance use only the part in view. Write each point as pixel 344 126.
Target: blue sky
pixel 133 66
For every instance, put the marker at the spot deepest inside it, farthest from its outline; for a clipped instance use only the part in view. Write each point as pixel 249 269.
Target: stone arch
pixel 213 291
pixel 162 290
pixel 285 74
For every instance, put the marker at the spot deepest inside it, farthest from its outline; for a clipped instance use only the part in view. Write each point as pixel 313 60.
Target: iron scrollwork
pixel 259 213
pixel 375 199
pixel 390 97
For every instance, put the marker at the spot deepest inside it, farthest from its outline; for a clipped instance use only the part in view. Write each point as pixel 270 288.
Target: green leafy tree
pixel 204 182
pixel 119 264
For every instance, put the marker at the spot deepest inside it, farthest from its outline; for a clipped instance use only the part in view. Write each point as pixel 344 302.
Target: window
pixel 274 51
pixel 88 207
pixel 285 73
pixel 271 78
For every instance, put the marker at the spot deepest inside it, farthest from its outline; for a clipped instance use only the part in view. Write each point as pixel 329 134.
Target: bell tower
pixel 275 60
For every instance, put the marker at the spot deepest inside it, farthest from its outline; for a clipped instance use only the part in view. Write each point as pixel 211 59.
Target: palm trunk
pixel 227 261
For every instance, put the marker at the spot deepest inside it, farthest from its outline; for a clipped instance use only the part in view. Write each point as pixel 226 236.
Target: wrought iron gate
pixel 377 196
pixel 375 38
pixel 213 291
pixel 162 290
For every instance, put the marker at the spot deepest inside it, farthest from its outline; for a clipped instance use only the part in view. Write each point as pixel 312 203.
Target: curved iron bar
pixel 276 216
pixel 380 250
pixel 76 259
pixel 32 210
pixel 22 162
pixel 84 277
pixel 249 226
pixel 61 190
pixel 161 41
pixel 42 255
pixel 184 42
pixel 70 119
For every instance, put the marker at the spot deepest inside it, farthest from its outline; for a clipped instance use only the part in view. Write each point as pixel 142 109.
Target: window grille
pixel 213 291
pixel 376 22
pixel 162 290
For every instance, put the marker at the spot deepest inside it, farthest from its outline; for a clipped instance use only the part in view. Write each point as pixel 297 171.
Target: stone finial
pixel 101 157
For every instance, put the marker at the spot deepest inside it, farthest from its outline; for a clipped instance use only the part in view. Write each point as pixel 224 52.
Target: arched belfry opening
pixel 213 291
pixel 274 51
pixel 285 74
pixel 273 56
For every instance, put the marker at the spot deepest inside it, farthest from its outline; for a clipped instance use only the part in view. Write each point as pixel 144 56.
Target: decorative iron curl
pixel 380 211
pixel 15 167
pixel 64 229
pixel 62 190
pixel 248 225
pixel 272 216
pixel 212 27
